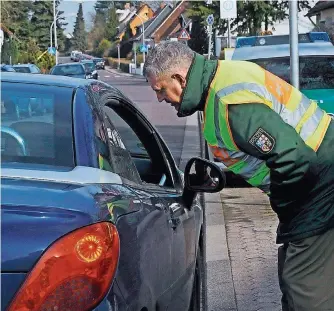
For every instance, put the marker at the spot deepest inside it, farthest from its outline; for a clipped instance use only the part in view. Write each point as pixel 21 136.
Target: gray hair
pixel 166 57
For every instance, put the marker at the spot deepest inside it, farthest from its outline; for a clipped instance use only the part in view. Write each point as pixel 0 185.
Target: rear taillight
pixel 75 273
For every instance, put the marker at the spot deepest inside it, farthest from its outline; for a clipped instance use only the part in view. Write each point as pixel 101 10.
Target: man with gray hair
pixel 278 140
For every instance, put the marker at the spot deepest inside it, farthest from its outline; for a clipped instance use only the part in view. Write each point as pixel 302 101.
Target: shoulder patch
pixel 263 141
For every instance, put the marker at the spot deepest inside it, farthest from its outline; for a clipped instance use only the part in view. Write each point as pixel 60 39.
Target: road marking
pixel 106 76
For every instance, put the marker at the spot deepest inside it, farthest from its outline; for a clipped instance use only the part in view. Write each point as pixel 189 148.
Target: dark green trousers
pixel 306 273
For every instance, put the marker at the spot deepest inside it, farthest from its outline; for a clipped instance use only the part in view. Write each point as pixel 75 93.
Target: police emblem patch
pixel 263 141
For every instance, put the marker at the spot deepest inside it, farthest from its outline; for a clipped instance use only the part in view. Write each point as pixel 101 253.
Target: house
pixel 134 18
pixel 172 24
pixel 324 12
pixel 162 13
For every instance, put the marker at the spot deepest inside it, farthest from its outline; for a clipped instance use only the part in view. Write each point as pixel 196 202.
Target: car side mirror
pixel 201 175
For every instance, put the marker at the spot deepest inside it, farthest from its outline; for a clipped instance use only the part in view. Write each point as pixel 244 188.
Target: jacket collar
pixel 199 78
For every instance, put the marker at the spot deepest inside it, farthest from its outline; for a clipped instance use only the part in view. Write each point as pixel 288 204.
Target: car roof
pixel 62 81
pixel 23 65
pixel 44 79
pixel 86 61
pixel 282 50
pixel 68 64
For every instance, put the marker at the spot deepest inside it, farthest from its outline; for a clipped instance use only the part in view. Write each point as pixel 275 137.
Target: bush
pixel 103 48
pixel 113 63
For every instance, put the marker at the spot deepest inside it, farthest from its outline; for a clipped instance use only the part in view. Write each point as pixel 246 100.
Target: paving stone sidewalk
pixel 251 232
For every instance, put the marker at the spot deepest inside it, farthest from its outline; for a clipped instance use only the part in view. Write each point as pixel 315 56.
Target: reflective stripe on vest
pixel 246 82
pixel 253 170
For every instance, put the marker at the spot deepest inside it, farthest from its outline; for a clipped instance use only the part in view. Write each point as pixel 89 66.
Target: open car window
pixel 36 124
pixel 141 145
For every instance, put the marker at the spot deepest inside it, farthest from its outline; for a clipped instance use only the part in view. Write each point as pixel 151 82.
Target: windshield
pixel 314 72
pixel 36 124
pixel 68 70
pixel 22 69
pixel 89 66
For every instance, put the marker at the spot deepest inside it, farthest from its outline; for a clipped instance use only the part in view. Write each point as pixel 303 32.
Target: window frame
pixel 115 103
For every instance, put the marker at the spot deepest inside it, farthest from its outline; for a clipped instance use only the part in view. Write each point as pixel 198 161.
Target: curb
pixel 218 288
pixel 122 73
pixel 220 294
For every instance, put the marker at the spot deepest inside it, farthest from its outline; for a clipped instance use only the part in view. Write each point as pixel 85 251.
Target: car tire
pixel 196 302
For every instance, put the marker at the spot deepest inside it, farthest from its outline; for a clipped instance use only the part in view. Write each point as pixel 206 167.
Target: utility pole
pixel 55 29
pixel 228 33
pixel 210 20
pixel 294 54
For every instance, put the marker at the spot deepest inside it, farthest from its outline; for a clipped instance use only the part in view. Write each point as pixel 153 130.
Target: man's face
pixel 168 88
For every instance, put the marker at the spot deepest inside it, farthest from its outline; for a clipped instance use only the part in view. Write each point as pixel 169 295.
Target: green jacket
pixel 301 180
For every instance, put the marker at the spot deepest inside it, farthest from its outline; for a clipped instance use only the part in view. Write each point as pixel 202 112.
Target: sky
pixel 71 7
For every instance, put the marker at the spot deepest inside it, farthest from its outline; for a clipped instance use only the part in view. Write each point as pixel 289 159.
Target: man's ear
pixel 181 79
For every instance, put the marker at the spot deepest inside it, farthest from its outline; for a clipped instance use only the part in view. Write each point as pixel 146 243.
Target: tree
pixel 79 33
pixel 199 37
pixel 41 21
pixel 96 34
pixel 111 25
pixel 103 7
pixel 251 14
pixel 61 24
pixel 15 17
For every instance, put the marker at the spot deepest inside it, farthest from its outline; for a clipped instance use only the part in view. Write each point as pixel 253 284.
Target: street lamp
pixel 57 17
pixel 55 28
pixel 119 11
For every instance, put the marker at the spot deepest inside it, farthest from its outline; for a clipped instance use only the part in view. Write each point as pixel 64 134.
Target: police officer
pixel 278 140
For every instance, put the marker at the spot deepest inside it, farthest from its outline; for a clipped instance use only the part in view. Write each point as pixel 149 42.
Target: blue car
pixel 26 68
pixel 7 68
pixel 95 214
pixel 74 70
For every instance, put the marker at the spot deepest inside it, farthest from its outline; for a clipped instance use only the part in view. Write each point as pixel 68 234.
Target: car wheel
pixel 196 303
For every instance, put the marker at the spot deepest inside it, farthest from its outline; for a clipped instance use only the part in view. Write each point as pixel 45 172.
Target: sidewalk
pixel 241 254
pixel 122 73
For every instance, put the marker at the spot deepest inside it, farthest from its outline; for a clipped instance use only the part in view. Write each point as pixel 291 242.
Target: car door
pixel 161 178
pixel 142 276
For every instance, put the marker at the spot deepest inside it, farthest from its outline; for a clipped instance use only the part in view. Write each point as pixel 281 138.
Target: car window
pixel 22 69
pixel 68 70
pixel 131 141
pixel 36 124
pixel 315 72
pixel 112 154
pixel 34 69
pixel 142 146
pixel 89 66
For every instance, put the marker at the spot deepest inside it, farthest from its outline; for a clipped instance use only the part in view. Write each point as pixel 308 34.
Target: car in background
pixel 90 69
pixel 74 70
pixel 95 214
pixel 26 68
pixel 99 63
pixel 7 68
pixel 316 62
pixel 74 54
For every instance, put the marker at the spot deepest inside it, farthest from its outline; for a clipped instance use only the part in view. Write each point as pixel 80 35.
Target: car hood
pixel 35 213
pixel 324 98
